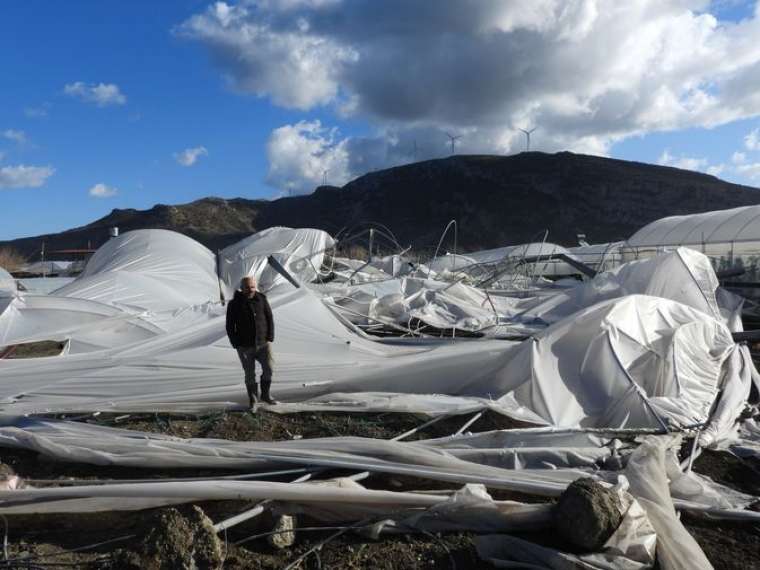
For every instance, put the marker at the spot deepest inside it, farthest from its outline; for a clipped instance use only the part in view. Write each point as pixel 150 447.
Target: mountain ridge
pixel 497 200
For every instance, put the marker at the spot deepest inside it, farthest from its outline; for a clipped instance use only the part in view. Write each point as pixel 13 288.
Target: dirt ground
pixel 48 541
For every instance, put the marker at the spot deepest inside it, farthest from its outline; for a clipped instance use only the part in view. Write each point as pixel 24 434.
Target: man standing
pixel 250 328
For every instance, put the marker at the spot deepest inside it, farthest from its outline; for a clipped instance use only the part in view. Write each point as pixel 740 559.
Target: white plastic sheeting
pixel 718 226
pixel 629 361
pixel 683 275
pixel 300 251
pixel 516 253
pixel 44 285
pixel 621 360
pixel 636 361
pixel 31 318
pixel 7 283
pixel 148 270
pixel 647 474
pixel 435 303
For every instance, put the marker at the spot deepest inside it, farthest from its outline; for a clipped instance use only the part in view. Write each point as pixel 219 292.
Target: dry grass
pixel 11 260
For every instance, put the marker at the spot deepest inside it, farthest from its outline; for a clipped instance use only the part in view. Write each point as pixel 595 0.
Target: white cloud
pixel 19 137
pixel 37 112
pixel 103 191
pixel 752 140
pixel 690 163
pixel 303 155
pixel 589 72
pixel 684 162
pixel 308 66
pixel 101 94
pixel 22 176
pixel 190 156
pixel 751 170
pixel 738 158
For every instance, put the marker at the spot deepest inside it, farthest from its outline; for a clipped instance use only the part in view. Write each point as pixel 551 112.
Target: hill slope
pixel 496 200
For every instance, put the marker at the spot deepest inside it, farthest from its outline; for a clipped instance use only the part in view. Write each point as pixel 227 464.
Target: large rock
pixel 587 514
pixel 178 541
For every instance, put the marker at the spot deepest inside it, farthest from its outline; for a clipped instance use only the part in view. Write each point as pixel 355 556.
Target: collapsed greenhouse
pixel 621 369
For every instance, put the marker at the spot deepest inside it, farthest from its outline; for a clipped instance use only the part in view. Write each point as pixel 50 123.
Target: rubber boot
pixel 265 396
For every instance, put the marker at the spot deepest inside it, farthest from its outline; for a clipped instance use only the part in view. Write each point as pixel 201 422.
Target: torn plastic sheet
pixel 300 251
pixel 32 318
pixel 446 459
pixel 683 275
pixel 633 362
pixel 736 386
pixel 99 445
pixel 535 448
pixel 647 474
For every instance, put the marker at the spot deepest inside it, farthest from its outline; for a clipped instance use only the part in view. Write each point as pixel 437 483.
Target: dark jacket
pixel 249 322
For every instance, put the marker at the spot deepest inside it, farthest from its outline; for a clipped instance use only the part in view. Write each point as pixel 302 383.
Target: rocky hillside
pixel 496 200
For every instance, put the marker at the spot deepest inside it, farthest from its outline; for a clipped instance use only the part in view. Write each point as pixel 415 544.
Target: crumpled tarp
pixel 299 251
pixel 627 361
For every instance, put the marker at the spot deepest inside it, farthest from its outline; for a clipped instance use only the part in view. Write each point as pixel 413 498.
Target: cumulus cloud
pixel 190 156
pixel 307 72
pixel 304 155
pixel 690 163
pixel 22 176
pixel 19 137
pixel 101 94
pixel 752 140
pixel 103 191
pixel 588 73
pixel 749 169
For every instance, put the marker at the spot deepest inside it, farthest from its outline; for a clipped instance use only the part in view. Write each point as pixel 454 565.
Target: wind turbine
pixel 324 177
pixel 527 136
pixel 454 139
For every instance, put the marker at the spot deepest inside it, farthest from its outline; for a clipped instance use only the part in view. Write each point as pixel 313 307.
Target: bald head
pixel 248 286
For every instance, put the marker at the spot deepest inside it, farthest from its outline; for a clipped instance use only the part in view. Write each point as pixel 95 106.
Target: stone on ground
pixel 587 514
pixel 285 535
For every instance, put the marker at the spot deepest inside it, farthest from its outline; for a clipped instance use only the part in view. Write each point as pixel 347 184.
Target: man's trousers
pixel 249 355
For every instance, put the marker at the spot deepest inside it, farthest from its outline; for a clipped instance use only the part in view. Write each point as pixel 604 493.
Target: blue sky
pixel 98 100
